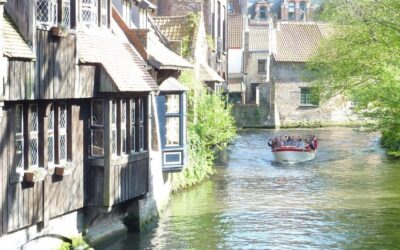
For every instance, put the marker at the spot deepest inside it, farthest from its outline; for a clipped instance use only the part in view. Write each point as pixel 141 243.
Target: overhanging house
pixel 81 137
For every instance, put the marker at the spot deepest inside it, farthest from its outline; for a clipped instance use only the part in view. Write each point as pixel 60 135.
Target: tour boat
pixel 293 154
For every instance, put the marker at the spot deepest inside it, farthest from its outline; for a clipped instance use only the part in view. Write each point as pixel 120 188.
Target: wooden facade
pixel 57 76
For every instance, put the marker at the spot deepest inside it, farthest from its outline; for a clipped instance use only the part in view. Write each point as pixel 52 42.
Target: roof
pixel 171 84
pixel 173 27
pixel 128 72
pixel 258 38
pixel 207 74
pixel 235 34
pixel 14 44
pixel 296 42
pixel 162 57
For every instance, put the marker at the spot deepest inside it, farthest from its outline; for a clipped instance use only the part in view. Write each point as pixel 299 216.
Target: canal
pixel 347 198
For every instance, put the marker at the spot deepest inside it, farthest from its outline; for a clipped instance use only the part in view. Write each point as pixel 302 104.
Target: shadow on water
pixel 346 198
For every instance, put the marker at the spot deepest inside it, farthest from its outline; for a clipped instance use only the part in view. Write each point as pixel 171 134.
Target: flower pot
pixel 59 171
pixel 59 31
pixel 29 176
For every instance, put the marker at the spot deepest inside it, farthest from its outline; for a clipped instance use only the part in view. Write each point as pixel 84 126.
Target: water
pixel 347 198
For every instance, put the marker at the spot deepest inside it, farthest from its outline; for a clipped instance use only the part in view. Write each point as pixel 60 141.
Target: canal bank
pixel 347 198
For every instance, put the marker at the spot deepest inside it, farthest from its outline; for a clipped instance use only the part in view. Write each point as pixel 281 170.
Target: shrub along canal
pixel 347 198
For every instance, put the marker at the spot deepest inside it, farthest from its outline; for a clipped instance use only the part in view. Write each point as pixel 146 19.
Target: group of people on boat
pixel 310 142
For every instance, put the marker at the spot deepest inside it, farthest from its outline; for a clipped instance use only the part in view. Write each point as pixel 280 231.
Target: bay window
pixel 127 126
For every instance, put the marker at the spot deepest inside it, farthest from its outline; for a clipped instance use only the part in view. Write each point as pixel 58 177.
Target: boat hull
pixel 293 155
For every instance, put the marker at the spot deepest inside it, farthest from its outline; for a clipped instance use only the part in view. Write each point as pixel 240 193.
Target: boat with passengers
pixel 291 149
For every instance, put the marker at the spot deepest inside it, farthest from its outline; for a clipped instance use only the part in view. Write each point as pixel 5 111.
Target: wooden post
pixel 107 197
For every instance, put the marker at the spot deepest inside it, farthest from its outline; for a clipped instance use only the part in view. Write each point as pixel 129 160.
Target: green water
pixel 347 198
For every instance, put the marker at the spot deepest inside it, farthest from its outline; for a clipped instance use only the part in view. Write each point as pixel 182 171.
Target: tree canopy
pixel 362 60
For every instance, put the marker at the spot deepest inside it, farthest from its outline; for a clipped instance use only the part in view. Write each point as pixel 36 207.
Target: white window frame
pixel 19 135
pixel 62 132
pixel 89 8
pixel 96 127
pixel 33 133
pixel 49 18
pixel 177 114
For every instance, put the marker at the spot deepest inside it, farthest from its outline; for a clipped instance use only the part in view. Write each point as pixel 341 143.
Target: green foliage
pixel 210 127
pixel 362 60
pixel 77 243
pixel 210 42
pixel 193 21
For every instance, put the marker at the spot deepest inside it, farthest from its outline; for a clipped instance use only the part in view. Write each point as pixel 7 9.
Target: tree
pixel 362 60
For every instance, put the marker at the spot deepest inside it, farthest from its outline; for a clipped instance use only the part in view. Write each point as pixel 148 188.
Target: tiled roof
pixel 173 27
pixel 296 42
pixel 171 84
pixel 207 74
pixel 14 44
pixel 235 31
pixel 258 38
pixel 118 59
pixel 160 56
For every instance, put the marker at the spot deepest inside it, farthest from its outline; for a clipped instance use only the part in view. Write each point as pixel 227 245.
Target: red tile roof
pixel 258 38
pixel 235 31
pixel 296 42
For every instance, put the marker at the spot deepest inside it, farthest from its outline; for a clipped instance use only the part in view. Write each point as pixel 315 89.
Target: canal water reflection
pixel 347 198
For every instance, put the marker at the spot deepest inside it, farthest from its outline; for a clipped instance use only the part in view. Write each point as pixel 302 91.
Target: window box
pixel 59 31
pixel 35 174
pixel 64 169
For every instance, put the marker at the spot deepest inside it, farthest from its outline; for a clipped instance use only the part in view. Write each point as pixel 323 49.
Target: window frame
pixel 96 127
pixel 61 9
pixel 179 115
pixel 263 13
pixel 259 63
pixel 306 97
pixel 292 14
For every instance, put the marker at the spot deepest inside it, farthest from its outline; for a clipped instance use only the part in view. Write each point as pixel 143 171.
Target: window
pixel 262 66
pixel 19 136
pixel 308 97
pixel 89 12
pixel 97 128
pixel 132 125
pixel 173 120
pixel 33 120
pixel 292 14
pixel 46 12
pixel 303 10
pixel 127 126
pixel 263 13
pixel 104 13
pixel 50 136
pixel 57 140
pixel 219 20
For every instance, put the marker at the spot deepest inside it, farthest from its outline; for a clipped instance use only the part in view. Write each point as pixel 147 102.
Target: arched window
pixel 292 11
pixel 263 13
pixel 303 10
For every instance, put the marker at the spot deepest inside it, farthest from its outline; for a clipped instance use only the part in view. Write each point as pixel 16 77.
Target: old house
pixel 82 143
pixel 294 100
pixel 175 29
pixel 214 19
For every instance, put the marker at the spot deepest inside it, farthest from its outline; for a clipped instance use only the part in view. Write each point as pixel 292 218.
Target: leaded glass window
pixel 113 127
pixel 46 12
pixel 132 124
pixel 33 136
pixel 50 135
pixel 19 136
pixel 66 13
pixel 97 128
pixel 62 140
pixel 104 13
pixel 123 126
pixel 142 135
pixel 89 12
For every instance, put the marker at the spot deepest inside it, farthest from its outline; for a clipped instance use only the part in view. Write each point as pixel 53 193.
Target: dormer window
pixel 292 13
pixel 89 12
pixel 47 13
